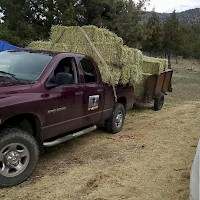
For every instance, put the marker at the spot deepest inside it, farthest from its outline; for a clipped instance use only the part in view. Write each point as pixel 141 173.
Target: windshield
pixel 24 65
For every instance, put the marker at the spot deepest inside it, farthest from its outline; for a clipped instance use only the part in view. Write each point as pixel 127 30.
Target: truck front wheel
pixel 19 153
pixel 115 123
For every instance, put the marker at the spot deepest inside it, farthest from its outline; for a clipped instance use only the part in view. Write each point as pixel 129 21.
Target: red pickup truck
pixel 47 98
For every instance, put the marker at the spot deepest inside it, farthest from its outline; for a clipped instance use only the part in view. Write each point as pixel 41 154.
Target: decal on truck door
pixel 56 110
pixel 93 102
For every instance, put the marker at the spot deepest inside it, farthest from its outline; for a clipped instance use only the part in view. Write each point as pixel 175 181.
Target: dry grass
pixel 149 160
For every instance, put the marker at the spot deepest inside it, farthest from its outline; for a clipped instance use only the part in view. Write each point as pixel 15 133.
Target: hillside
pixel 191 16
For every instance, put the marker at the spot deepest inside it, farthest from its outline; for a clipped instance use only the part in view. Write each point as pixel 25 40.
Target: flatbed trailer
pixel 156 87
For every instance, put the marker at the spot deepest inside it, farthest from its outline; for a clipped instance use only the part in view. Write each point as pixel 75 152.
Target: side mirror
pixel 51 85
pixel 63 78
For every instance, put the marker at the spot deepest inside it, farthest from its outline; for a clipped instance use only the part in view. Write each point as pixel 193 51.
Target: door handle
pixel 100 90
pixel 79 93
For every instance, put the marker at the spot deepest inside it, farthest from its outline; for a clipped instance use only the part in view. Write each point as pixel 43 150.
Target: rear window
pixel 88 70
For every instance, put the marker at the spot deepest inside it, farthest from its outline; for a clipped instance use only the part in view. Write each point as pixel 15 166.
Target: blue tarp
pixel 6 46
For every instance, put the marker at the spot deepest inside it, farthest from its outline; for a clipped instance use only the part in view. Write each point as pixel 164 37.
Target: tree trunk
pixel 169 60
pixel 176 59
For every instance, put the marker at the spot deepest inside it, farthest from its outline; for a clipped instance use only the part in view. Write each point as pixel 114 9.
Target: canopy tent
pixel 6 46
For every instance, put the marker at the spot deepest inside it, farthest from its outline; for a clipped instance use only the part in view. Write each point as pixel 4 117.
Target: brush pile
pixel 124 65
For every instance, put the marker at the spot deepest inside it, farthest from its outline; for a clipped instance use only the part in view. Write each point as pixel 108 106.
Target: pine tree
pixel 27 20
pixel 16 21
pixel 192 45
pixel 153 35
pixel 120 16
pixel 173 40
pixel 126 23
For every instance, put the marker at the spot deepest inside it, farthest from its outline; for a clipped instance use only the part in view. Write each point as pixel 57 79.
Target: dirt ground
pixel 149 160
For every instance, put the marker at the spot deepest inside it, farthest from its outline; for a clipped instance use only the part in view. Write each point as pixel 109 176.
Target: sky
pixel 170 5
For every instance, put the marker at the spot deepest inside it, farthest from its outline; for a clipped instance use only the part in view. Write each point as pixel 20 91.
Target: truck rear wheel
pixel 19 154
pixel 115 123
pixel 158 102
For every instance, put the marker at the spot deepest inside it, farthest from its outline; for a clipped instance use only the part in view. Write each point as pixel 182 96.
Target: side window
pixel 88 70
pixel 65 72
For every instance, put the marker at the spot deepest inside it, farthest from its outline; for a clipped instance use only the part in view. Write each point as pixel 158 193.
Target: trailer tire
pixel 115 123
pixel 19 154
pixel 158 102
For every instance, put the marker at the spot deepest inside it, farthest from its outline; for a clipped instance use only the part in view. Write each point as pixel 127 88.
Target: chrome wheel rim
pixel 119 119
pixel 14 158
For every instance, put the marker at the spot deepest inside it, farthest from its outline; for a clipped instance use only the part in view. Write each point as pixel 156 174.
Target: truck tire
pixel 158 102
pixel 19 154
pixel 115 123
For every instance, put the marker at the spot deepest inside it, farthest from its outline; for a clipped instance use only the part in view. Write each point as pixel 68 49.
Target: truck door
pixel 64 104
pixel 93 92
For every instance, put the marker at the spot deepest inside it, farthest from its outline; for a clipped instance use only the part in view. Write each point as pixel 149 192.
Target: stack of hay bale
pixel 154 65
pixel 149 66
pixel 124 65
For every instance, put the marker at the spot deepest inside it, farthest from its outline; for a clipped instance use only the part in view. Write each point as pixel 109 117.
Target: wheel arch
pixel 28 122
pixel 123 101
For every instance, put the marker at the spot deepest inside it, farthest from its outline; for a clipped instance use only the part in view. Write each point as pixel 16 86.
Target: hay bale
pixel 136 75
pixel 140 86
pixel 164 62
pixel 107 43
pixel 109 51
pixel 40 45
pixel 102 35
pixel 71 34
pixel 131 56
pixel 125 75
pixel 127 55
pixel 152 67
pixel 115 75
pixel 109 74
pixel 138 57
pixel 106 75
pixel 130 60
pixel 68 35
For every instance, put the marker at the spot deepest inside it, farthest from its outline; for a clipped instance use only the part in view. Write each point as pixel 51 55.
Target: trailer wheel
pixel 158 102
pixel 19 154
pixel 115 123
